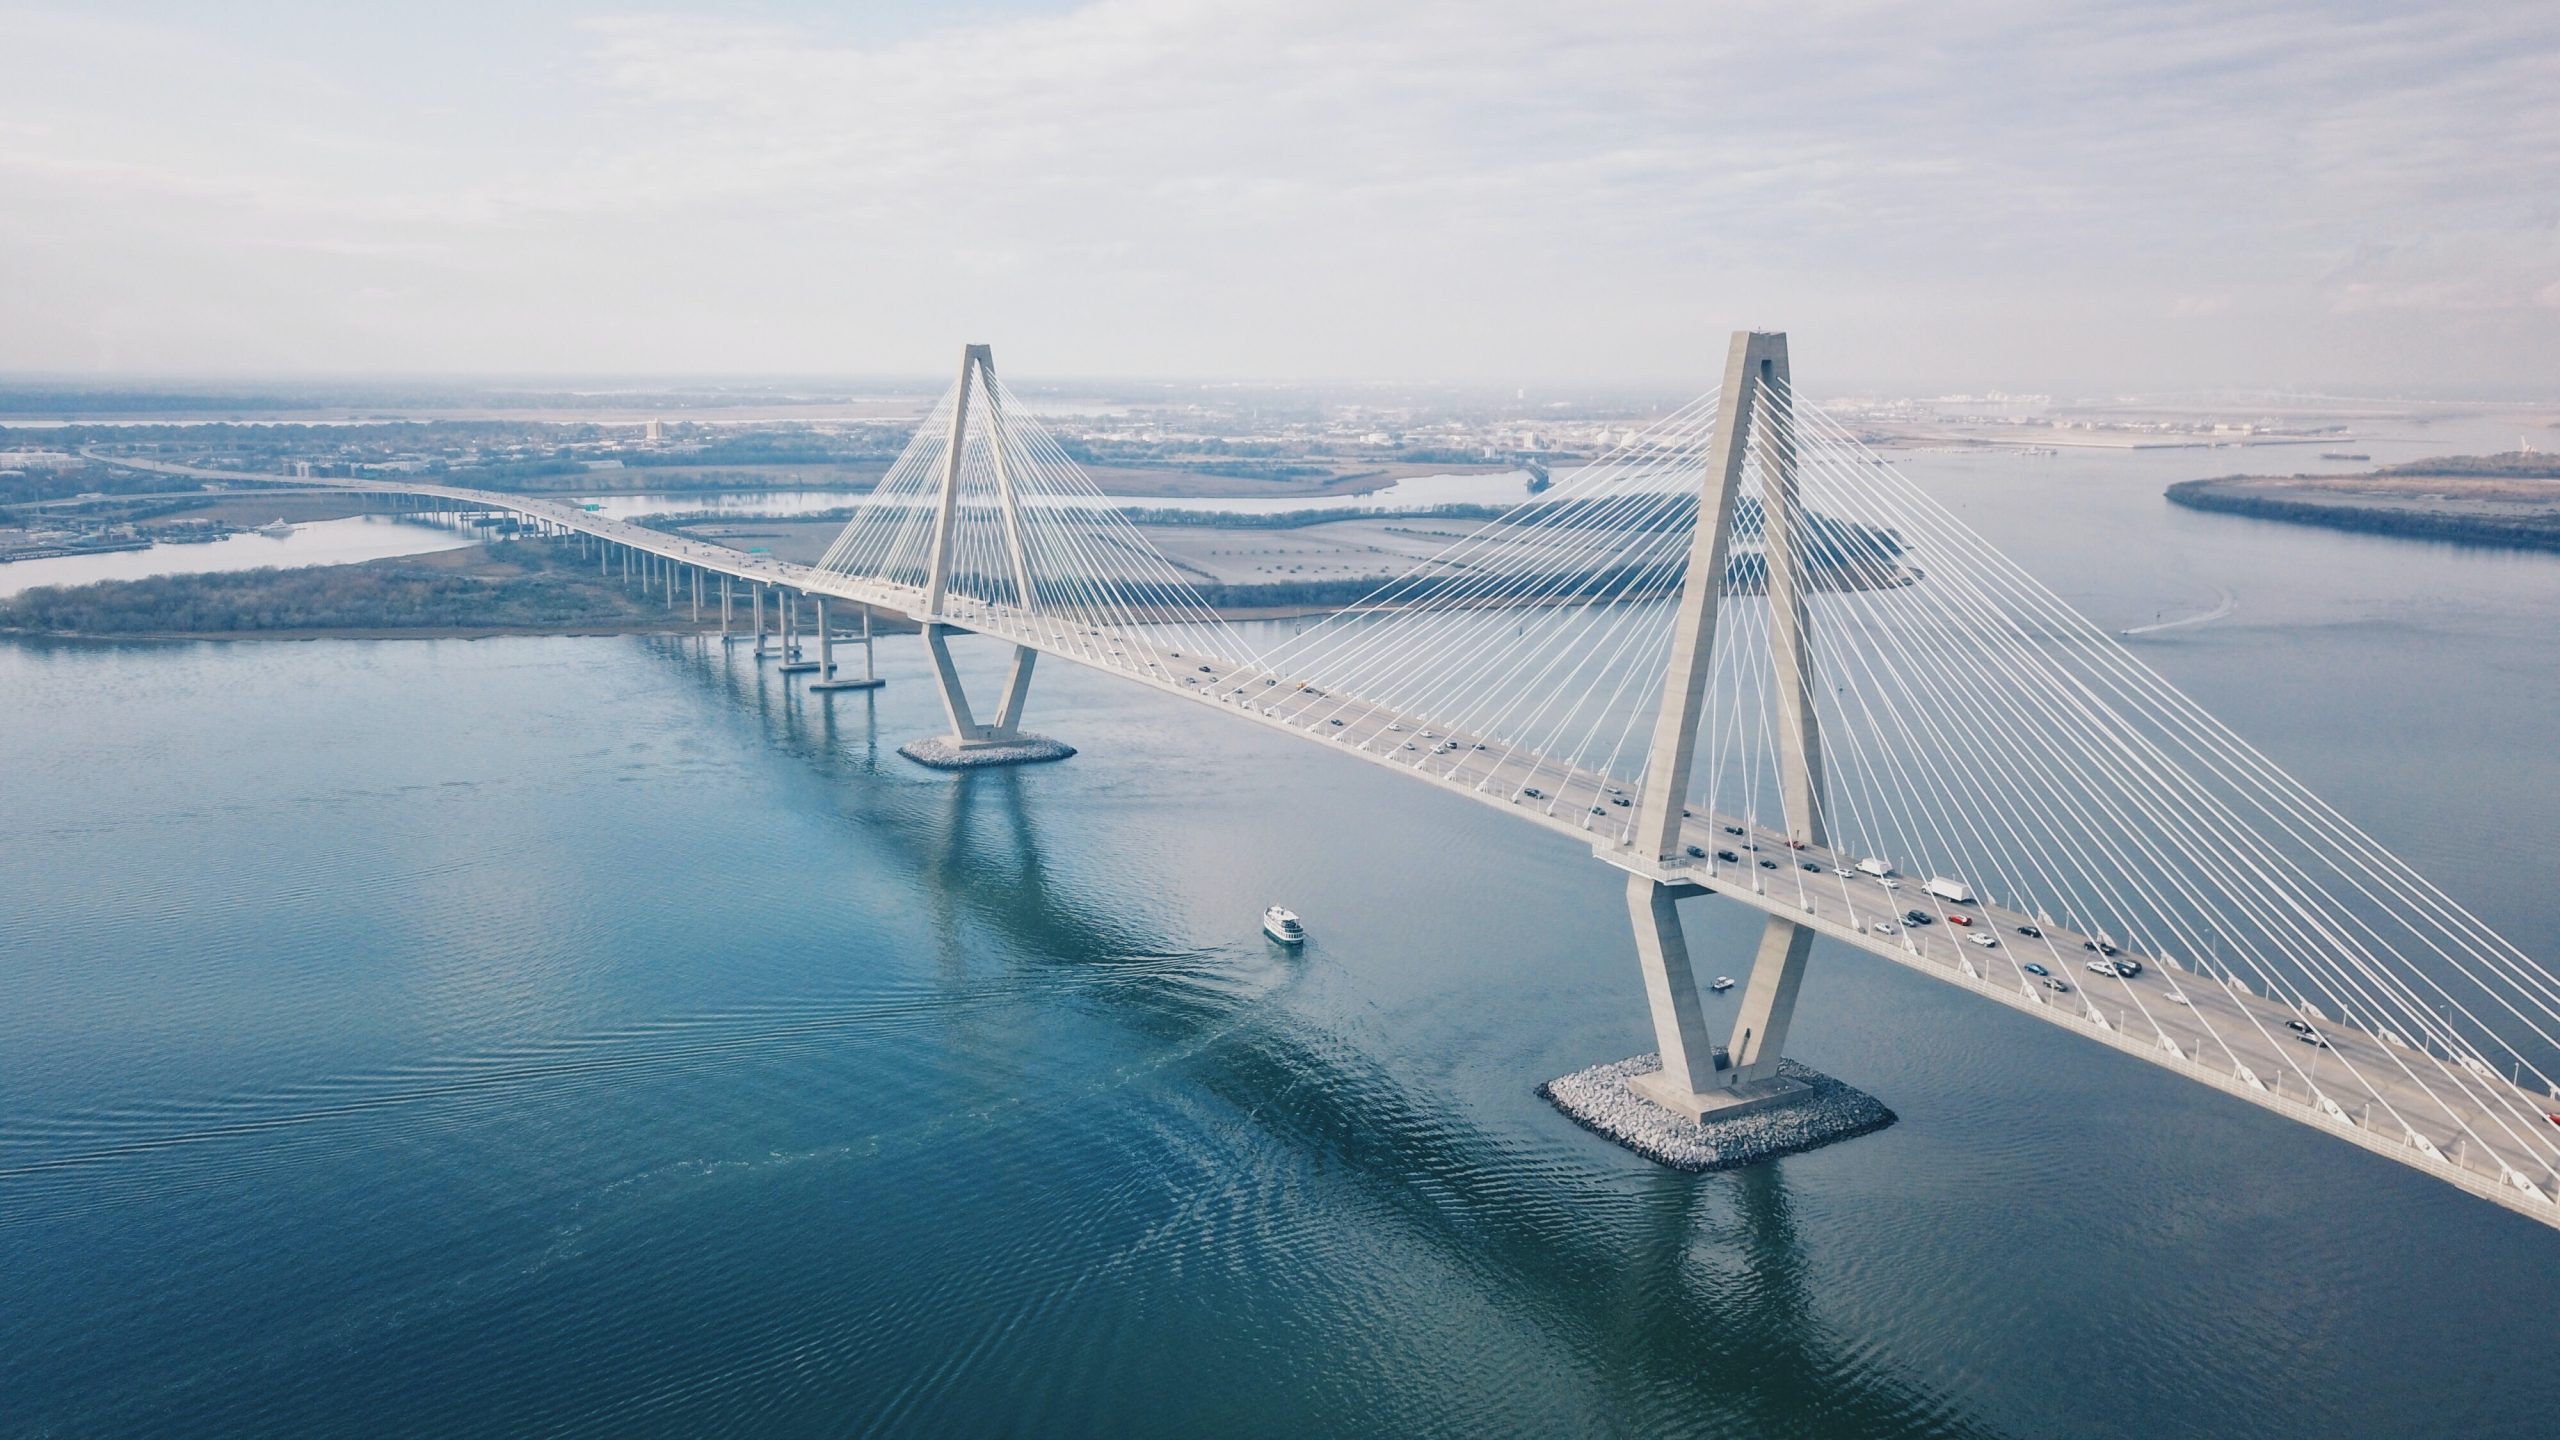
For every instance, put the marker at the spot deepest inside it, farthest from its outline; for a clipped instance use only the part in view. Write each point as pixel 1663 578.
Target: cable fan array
pixel 1972 726
pixel 1037 554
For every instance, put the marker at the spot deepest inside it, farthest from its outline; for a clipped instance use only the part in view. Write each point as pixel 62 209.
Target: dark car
pixel 1533 792
pixel 2297 1027
pixel 1697 854
pixel 1816 869
pixel 1617 799
pixel 2031 932
pixel 1205 670
pixel 1596 809
pixel 1733 829
pixel 1333 722
pixel 2033 968
pixel 1916 917
pixel 1728 857
pixel 1768 864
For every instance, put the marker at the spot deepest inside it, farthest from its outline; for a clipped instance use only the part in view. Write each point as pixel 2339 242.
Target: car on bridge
pixel 1768 864
pixel 1915 917
pixel 2033 968
pixel 1882 927
pixel 1959 919
pixel 2031 932
pixel 1986 941
pixel 2057 985
pixel 1533 792
pixel 1728 857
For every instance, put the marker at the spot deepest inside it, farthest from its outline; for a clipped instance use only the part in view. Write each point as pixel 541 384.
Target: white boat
pixel 276 528
pixel 1723 982
pixel 1282 925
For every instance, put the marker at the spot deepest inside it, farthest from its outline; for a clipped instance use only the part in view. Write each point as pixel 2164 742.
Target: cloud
pixel 1318 187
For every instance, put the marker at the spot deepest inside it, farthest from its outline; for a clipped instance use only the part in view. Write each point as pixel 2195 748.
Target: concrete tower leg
pixel 1689 1057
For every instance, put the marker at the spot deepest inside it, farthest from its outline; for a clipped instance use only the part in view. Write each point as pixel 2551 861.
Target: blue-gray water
pixel 593 1036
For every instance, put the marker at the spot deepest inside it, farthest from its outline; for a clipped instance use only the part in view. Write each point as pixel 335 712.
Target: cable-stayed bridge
pixel 1742 656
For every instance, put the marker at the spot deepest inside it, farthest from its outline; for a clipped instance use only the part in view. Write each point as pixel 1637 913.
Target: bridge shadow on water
pixel 1688 1300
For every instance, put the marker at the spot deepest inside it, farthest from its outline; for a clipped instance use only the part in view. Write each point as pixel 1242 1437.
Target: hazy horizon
pixel 2082 200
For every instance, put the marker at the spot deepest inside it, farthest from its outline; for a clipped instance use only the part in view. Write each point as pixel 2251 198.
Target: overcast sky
pixel 2066 196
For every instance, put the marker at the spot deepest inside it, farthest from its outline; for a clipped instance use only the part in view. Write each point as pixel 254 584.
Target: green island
pixel 505 588
pixel 2509 500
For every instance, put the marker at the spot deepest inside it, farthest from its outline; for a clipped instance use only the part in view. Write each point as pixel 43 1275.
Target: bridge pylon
pixel 973 743
pixel 1698 1076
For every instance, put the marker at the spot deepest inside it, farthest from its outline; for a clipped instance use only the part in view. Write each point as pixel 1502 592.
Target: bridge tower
pixel 1699 1077
pixel 972 742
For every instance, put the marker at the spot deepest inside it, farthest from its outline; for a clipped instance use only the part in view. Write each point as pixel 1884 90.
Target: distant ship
pixel 276 528
pixel 2344 455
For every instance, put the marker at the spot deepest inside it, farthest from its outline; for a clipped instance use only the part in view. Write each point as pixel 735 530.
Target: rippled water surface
pixel 594 1036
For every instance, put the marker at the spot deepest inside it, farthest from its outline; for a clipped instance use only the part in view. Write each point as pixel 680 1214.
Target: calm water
pixel 313 542
pixel 592 1036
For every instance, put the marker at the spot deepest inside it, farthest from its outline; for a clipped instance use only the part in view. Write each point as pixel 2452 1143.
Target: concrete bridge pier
pixel 761 652
pixel 725 637
pixel 827 655
pixel 792 664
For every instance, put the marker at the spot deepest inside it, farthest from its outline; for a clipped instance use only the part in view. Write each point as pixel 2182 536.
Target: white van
pixel 1954 892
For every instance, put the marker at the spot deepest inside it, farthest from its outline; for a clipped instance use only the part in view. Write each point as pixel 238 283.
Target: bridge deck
pixel 2471 1130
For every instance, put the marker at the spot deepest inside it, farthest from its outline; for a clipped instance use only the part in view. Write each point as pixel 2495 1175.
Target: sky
pixel 2059 196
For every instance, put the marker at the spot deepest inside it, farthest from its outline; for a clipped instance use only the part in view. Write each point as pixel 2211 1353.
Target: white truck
pixel 1954 892
pixel 1880 869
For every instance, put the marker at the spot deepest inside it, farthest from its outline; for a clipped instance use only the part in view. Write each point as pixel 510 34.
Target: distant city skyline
pixel 2076 198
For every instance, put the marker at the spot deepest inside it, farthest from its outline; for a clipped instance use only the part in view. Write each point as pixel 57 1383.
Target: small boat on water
pixel 1282 925
pixel 1723 982
pixel 275 529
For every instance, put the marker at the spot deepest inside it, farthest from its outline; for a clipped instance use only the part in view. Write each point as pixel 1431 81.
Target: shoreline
pixel 2417 508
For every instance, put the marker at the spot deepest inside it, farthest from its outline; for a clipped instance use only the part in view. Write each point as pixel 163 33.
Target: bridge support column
pixel 725 636
pixel 761 652
pixel 827 655
pixel 792 664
